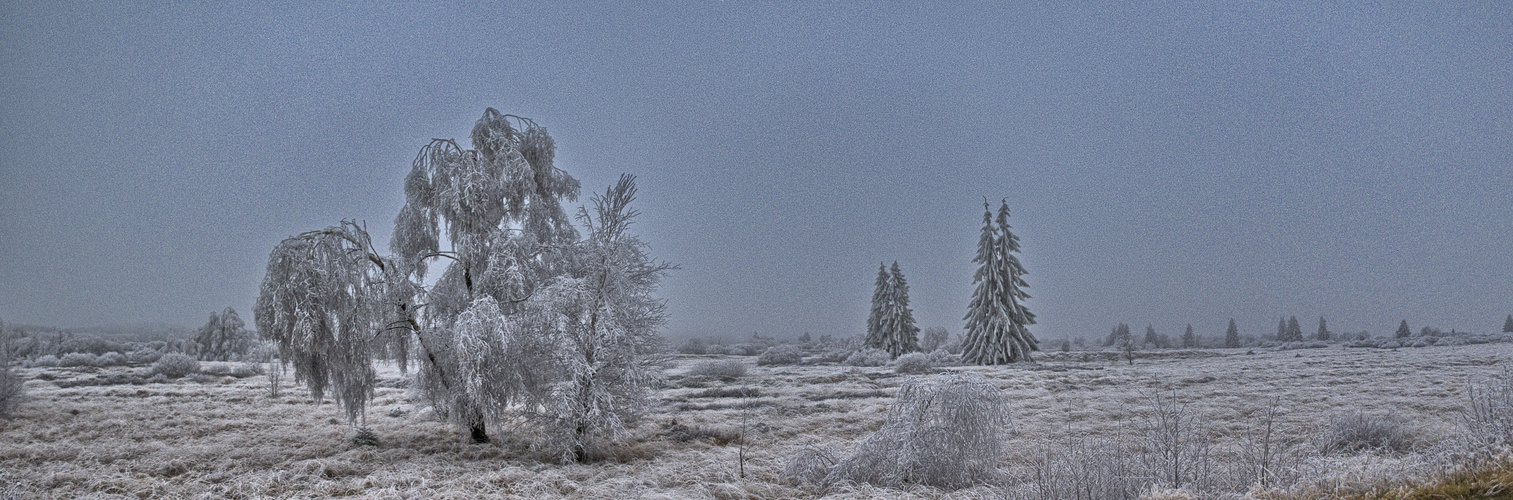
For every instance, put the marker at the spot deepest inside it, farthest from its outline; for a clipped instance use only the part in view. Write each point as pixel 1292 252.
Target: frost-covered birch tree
pixel 997 321
pixel 525 320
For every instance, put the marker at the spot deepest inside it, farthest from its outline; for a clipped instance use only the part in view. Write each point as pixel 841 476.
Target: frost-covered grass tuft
pixel 1357 432
pixel 785 354
pixel 726 370
pixel 946 432
pixel 176 365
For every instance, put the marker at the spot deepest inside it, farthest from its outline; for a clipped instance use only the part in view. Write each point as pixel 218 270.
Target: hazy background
pixel 1166 164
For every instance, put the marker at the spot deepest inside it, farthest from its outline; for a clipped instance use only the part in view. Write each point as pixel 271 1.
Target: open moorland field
pixel 228 437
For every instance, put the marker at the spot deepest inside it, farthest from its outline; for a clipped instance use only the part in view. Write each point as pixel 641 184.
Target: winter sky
pixel 1166 164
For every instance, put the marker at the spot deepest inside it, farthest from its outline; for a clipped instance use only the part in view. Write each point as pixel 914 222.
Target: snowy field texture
pixel 1076 417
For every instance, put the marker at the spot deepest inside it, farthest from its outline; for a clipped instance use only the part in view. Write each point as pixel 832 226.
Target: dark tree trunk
pixel 480 434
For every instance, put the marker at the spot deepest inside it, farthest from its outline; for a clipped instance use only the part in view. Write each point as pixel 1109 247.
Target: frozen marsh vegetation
pixel 1217 423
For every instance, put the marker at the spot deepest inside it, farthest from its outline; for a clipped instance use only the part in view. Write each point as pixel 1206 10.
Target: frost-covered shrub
pixel 946 433
pixel 111 359
pixel 79 359
pixel 717 349
pixel 143 356
pixel 247 369
pixel 746 349
pixel 808 467
pixel 914 362
pixel 45 361
pixel 175 365
pixel 1354 433
pixel 693 346
pixel 12 390
pixel 1488 419
pixel 943 357
pixel 215 369
pixel 786 354
pixel 726 370
pixel 868 357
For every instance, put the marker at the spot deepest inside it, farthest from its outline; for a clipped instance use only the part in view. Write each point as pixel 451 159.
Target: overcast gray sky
pixel 1166 163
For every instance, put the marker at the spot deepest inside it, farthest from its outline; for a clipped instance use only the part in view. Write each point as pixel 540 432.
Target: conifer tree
pixel 1323 333
pixel 997 321
pixel 1189 339
pixel 1282 328
pixel 1294 330
pixel 1232 335
pixel 1119 336
pixel 1507 325
pixel 1403 331
pixel 1151 339
pixel 899 335
pixel 880 296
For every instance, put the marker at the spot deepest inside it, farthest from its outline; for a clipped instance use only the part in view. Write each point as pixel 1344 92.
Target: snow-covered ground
pixel 227 437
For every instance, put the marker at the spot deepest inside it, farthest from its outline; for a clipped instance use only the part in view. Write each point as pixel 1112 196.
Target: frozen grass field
pixel 224 437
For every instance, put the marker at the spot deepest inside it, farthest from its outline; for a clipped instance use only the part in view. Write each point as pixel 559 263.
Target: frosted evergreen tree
pixel 1323 333
pixel 900 334
pixel 1507 325
pixel 1282 328
pixel 1403 331
pixel 997 321
pixel 876 337
pixel 1294 330
pixel 1151 339
pixel 1189 339
pixel 223 338
pixel 527 322
pixel 1119 336
pixel 1232 335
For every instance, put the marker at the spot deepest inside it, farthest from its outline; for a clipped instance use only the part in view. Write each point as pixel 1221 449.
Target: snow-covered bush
pixel 914 362
pixel 79 359
pixel 1488 419
pixel 785 354
pixel 12 390
pixel 868 357
pixel 175 365
pixel 726 370
pixel 1357 432
pixel 944 357
pixel 111 359
pixel 717 349
pixel 946 432
pixel 808 467
pixel 247 369
pixel 143 356
pixel 693 346
pixel 45 361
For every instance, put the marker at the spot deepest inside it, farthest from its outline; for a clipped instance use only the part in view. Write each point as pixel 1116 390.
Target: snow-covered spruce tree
pixel 997 321
pixel 1232 335
pixel 1189 339
pixel 1403 331
pixel 880 296
pixel 1323 333
pixel 223 338
pixel 901 334
pixel 1294 330
pixel 1282 328
pixel 1507 325
pixel 1119 336
pixel 1151 339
